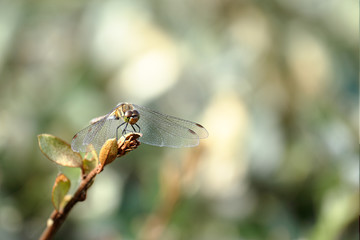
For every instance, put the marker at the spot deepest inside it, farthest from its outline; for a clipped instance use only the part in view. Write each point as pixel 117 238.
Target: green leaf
pixel 89 165
pixel 74 175
pixel 59 151
pixel 59 191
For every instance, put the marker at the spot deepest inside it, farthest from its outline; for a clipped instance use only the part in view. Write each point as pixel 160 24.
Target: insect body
pixel 157 129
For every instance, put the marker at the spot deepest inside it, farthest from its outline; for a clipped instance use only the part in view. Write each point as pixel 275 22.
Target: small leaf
pixel 89 165
pixel 59 191
pixel 74 175
pixel 92 154
pixel 108 152
pixel 59 151
pixel 90 161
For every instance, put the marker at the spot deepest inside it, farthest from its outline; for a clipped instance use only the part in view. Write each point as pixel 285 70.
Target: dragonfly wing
pixel 163 130
pixel 95 134
pixel 86 136
pixel 107 131
pixel 77 143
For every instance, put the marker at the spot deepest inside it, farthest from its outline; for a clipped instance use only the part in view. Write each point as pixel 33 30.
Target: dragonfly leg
pixel 124 131
pixel 132 126
pixel 117 129
pixel 138 127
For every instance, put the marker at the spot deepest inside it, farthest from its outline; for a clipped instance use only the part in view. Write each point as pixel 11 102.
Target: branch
pixel 106 156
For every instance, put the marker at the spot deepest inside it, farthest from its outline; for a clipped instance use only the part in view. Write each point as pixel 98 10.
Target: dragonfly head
pixel 131 116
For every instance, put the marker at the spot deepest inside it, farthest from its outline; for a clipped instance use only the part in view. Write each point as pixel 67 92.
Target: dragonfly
pixel 157 129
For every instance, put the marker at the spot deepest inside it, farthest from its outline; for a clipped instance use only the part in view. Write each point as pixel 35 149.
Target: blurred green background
pixel 274 82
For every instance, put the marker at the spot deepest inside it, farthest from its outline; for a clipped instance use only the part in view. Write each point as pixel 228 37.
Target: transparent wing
pixel 162 130
pixel 95 134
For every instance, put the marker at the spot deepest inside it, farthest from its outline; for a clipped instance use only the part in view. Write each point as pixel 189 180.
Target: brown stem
pixel 58 217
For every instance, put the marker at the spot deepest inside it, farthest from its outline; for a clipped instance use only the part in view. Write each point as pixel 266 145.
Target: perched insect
pixel 156 128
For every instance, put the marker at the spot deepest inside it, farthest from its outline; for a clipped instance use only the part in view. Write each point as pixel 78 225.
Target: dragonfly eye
pixel 128 114
pixel 135 114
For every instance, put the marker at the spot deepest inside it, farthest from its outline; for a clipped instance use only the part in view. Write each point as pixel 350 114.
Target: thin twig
pixel 58 217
